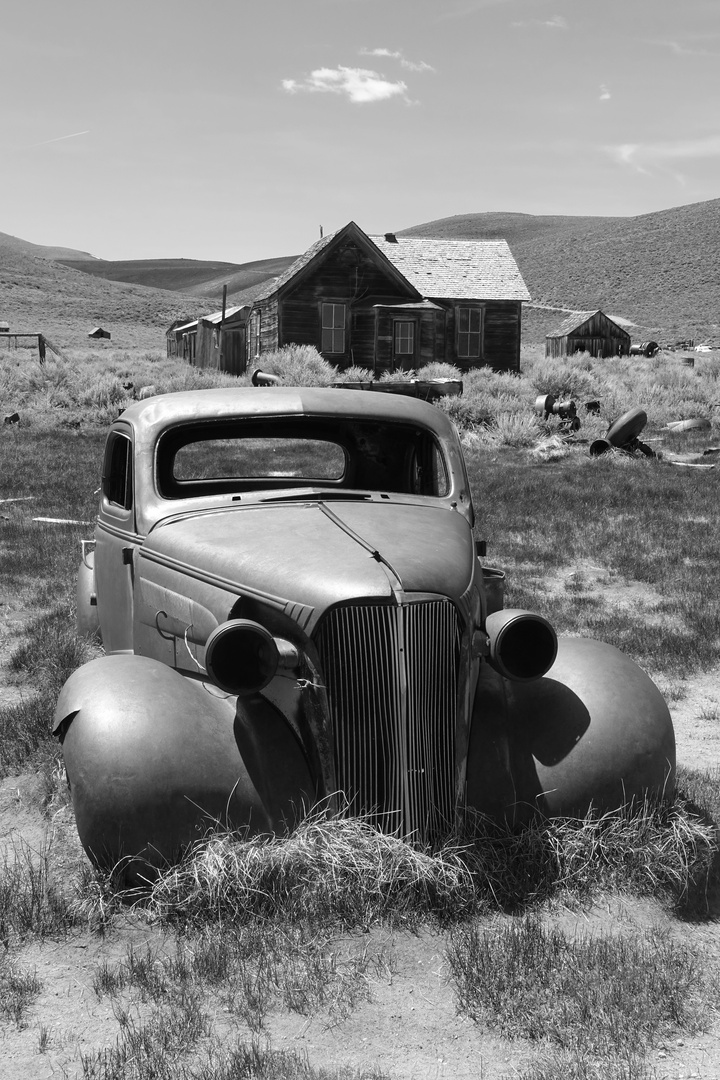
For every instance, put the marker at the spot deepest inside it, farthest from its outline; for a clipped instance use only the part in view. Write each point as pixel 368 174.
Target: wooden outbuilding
pixel 391 302
pixel 98 333
pixel 174 335
pixel 221 341
pixel 212 341
pixel 588 331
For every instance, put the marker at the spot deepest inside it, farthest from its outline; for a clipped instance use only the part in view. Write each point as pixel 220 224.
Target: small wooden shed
pixel 99 333
pixel 221 341
pixel 588 331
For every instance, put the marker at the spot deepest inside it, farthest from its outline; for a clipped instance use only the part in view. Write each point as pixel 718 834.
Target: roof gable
pixel 456 269
pixel 321 249
pixel 578 319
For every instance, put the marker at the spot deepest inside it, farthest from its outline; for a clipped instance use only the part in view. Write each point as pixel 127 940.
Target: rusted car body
pixel 293 612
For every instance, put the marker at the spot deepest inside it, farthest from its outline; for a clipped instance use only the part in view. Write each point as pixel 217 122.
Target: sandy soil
pixel 409 1028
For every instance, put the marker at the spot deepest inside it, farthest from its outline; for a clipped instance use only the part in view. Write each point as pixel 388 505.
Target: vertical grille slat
pixel 392 678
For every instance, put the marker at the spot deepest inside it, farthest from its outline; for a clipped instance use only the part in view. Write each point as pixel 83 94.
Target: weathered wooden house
pixel 394 302
pixel 588 331
pixel 99 334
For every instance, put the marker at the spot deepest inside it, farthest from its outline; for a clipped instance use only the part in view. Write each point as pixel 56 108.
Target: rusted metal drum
pixel 544 405
pixel 627 427
pixel 494 583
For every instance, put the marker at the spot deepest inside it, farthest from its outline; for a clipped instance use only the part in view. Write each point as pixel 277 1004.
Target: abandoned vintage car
pixel 293 611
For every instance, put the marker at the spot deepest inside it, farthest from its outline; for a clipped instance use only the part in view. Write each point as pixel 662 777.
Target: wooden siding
pixel 501 335
pixel 224 350
pixel 347 275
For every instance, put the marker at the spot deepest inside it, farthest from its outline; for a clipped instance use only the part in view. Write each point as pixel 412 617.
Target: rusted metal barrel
pixel 645 348
pixel 494 585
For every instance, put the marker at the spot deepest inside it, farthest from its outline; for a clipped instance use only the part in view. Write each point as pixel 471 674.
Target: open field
pixel 608 965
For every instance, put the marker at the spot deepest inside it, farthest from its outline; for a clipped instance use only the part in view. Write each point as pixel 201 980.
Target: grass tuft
pixel 603 996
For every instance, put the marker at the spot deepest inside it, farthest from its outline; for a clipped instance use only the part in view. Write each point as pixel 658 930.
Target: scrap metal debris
pixel 566 411
pixel 62 521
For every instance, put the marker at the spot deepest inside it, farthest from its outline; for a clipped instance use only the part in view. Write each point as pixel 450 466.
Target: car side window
pixel 428 475
pixel 117 471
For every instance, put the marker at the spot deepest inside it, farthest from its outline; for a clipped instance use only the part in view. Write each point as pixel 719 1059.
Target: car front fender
pixel 594 732
pixel 154 759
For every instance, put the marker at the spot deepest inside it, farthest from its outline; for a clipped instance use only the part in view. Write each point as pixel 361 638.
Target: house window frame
pixel 333 329
pixel 398 357
pixel 470 334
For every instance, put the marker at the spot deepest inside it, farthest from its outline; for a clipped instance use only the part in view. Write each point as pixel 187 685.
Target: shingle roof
pixel 456 269
pixel 441 269
pixel 294 267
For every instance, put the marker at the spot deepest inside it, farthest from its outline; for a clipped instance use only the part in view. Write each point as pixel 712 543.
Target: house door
pixel 404 334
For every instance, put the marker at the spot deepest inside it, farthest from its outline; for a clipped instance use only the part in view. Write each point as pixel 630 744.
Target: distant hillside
pixel 657 269
pixel 39 295
pixel 194 277
pixel 14 244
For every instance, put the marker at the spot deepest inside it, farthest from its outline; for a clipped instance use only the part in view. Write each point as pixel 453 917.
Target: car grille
pixel 391 674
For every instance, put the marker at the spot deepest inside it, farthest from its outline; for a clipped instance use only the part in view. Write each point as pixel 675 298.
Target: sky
pixel 236 130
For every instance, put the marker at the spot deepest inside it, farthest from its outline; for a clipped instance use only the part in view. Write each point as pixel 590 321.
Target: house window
pixel 333 328
pixel 469 332
pixel 404 338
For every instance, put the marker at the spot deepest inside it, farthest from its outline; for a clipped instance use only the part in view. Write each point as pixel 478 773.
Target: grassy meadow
pixel 620 547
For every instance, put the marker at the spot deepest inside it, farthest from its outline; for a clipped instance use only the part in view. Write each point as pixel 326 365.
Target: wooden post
pixel 222 321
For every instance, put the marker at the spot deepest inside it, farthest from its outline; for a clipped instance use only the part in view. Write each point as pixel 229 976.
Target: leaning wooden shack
pixel 588 331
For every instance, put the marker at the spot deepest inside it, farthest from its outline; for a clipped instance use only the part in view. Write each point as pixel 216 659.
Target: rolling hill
pixel 194 277
pixel 39 294
pixel 658 271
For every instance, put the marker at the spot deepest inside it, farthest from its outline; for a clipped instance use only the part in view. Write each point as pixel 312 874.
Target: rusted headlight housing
pixel 523 646
pixel 241 656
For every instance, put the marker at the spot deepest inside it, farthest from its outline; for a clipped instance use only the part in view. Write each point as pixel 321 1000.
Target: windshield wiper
pixel 317 496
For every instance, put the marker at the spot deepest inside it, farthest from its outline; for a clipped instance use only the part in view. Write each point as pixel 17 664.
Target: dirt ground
pixel 409 1029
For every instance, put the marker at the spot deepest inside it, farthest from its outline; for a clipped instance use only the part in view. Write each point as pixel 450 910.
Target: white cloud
pixel 605 94
pixel 359 85
pixel 641 156
pixel 557 22
pixel 679 49
pixel 411 65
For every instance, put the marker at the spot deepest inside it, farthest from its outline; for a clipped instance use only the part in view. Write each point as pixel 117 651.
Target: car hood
pixel 317 554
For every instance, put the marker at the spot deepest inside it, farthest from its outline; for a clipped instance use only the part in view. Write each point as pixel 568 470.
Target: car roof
pixel 153 415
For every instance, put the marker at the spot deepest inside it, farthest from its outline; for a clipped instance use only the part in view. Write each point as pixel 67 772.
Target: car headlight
pixel 242 657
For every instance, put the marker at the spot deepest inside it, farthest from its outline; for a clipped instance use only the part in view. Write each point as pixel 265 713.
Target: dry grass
pixel 345 873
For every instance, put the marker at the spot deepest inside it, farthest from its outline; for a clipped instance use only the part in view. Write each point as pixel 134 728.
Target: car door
pixel 116 543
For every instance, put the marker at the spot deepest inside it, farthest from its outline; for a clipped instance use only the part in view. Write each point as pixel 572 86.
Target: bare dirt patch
pixel 408 1029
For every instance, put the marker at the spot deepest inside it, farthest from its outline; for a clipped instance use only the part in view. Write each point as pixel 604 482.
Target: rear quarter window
pixel 117 471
